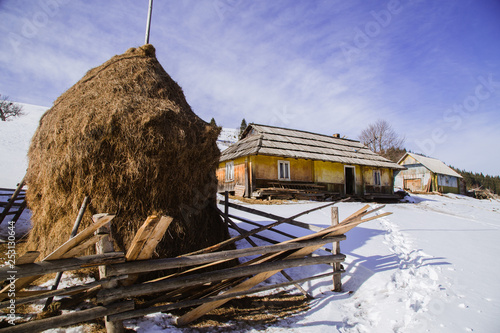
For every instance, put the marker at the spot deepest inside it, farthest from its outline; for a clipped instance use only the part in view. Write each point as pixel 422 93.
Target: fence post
pixel 105 245
pixel 337 282
pixel 226 208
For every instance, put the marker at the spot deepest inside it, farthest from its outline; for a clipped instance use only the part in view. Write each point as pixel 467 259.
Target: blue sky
pixel 430 68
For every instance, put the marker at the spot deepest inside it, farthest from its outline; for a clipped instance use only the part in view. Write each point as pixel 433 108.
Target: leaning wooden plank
pixel 54 266
pixel 41 294
pixel 27 258
pixel 99 221
pixel 206 277
pixel 179 262
pixel 154 238
pixel 70 318
pixel 141 237
pixel 185 304
pixel 82 247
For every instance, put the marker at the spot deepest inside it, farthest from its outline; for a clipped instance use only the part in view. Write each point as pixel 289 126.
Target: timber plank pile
pixel 288 191
pixel 192 281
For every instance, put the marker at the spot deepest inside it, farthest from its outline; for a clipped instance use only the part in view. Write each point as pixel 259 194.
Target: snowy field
pixel 431 266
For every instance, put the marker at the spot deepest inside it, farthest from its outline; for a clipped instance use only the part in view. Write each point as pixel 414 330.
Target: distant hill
pixel 227 137
pixel 15 137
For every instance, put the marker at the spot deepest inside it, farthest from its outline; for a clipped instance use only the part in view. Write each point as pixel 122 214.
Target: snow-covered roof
pixel 284 142
pixel 432 164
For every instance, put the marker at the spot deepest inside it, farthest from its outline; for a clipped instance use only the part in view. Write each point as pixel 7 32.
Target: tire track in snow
pixel 398 301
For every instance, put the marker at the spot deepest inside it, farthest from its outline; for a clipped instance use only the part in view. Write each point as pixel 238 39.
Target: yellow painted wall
pixel 266 167
pixel 328 172
pixel 385 176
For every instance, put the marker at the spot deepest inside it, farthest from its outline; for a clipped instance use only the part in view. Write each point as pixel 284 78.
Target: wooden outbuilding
pixel 272 161
pixel 426 174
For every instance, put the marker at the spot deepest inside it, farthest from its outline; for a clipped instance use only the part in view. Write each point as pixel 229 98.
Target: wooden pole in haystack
pixel 148 23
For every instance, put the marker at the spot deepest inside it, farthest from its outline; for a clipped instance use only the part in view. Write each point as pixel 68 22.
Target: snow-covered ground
pixel 431 266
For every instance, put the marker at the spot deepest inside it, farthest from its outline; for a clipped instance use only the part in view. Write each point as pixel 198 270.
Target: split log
pixel 41 294
pixel 70 318
pixel 53 266
pixel 189 303
pixel 199 259
pixel 223 274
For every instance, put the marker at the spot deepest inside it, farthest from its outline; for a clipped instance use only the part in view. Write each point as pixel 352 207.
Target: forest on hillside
pixel 474 180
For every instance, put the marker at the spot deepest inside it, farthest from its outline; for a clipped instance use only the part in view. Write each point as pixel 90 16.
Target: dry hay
pixel 125 136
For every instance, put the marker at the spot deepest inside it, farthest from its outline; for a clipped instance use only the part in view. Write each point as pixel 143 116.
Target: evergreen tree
pixel 243 126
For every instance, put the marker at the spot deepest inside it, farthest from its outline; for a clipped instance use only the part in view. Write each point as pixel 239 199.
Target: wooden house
pixel 268 158
pixel 426 174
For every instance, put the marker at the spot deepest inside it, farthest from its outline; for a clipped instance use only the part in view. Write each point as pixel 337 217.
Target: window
pixel 376 177
pixel 229 170
pixel 284 170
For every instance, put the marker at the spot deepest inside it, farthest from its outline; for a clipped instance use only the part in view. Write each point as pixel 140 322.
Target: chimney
pixel 336 135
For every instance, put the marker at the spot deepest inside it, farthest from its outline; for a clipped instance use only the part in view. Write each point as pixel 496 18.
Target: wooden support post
pixel 105 245
pixel 337 282
pixel 226 208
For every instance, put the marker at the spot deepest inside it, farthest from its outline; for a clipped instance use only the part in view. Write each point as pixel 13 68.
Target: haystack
pixel 125 136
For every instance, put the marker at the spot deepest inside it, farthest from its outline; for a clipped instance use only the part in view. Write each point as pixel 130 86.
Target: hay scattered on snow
pixel 125 136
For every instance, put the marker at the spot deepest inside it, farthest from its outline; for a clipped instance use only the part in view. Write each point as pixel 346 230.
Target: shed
pixel 267 157
pixel 426 174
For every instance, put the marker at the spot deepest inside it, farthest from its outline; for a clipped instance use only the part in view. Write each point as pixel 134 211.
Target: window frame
pixel 285 171
pixel 377 178
pixel 229 171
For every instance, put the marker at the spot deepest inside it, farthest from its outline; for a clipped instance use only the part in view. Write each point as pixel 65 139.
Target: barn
pixel 426 174
pixel 272 161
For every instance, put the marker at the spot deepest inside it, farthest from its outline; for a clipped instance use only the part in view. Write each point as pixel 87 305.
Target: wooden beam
pixel 46 267
pixel 70 318
pixel 199 259
pixel 206 277
pixel 189 303
pixel 41 294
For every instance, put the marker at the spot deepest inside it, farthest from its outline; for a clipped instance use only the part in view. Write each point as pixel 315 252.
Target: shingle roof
pixel 283 142
pixel 433 165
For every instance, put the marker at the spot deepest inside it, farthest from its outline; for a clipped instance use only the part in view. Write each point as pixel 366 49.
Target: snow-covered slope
pixel 227 137
pixel 15 136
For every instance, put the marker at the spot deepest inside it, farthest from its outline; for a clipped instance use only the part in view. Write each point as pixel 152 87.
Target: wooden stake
pixel 337 282
pixel 105 245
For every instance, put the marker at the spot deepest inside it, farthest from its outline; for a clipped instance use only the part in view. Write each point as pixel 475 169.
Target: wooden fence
pixel 114 295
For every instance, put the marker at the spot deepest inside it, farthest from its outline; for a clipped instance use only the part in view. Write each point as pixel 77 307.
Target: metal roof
pixel 433 165
pixel 283 142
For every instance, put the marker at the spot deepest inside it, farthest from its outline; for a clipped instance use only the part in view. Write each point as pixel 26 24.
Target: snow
pixel 227 137
pixel 15 136
pixel 431 266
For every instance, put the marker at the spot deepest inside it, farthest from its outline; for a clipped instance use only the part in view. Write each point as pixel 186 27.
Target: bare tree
pixel 381 138
pixel 9 109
